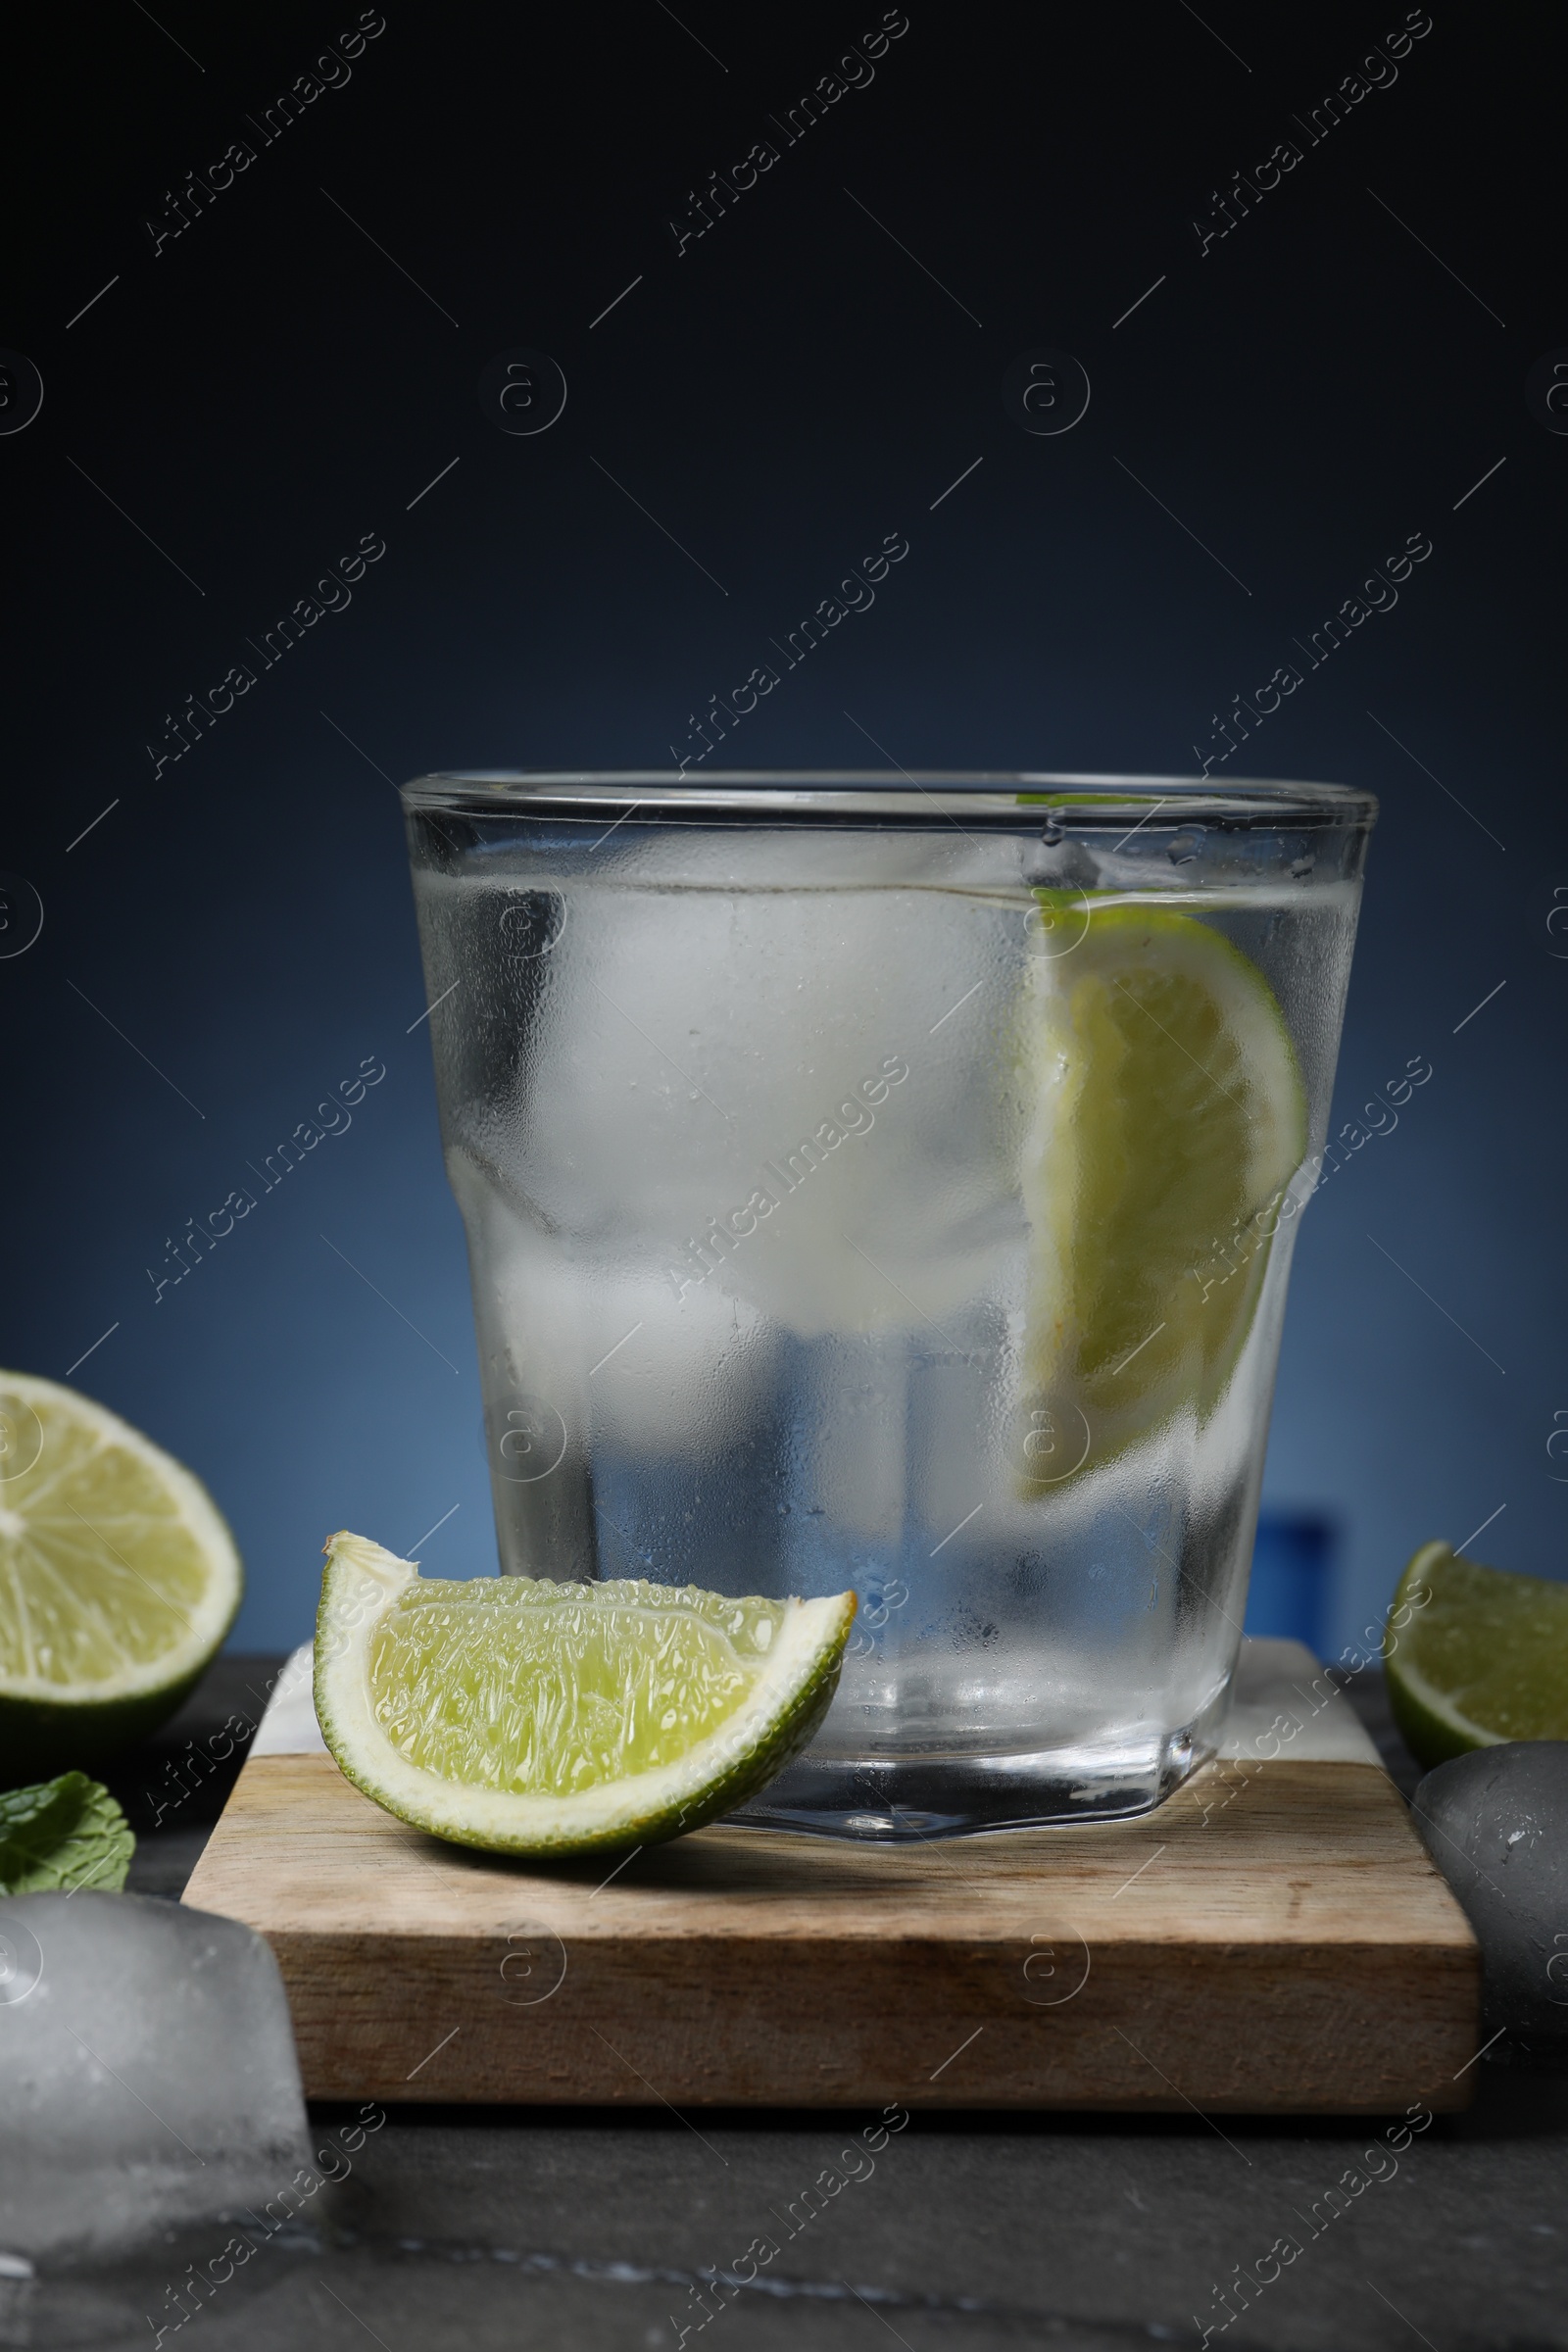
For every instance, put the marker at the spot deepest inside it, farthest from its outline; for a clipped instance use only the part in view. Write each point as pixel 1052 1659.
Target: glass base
pixel 899 1800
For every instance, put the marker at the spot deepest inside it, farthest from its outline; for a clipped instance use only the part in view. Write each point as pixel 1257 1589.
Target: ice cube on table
pixel 148 2078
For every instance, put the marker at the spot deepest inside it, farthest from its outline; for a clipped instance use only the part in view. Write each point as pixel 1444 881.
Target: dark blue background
pixel 270 386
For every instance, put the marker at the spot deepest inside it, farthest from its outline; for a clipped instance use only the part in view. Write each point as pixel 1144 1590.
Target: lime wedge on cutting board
pixel 1170 1114
pixel 118 1580
pixel 1474 1656
pixel 537 1718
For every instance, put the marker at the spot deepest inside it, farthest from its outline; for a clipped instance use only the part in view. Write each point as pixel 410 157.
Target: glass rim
pixel 991 798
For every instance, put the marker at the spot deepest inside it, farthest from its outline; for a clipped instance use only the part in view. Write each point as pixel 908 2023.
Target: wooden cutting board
pixel 1273 1939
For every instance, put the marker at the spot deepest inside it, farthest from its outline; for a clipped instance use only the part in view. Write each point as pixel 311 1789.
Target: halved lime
pixel 537 1718
pixel 118 1580
pixel 1474 1656
pixel 1170 1118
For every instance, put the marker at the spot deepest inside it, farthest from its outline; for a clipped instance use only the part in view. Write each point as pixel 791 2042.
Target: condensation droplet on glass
pixel 1186 844
pixel 1301 868
pixel 1052 834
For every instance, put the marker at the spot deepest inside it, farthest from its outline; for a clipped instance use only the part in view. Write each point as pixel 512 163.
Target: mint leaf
pixel 60 1834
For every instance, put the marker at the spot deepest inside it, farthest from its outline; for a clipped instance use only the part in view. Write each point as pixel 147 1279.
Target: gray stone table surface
pixel 483 2227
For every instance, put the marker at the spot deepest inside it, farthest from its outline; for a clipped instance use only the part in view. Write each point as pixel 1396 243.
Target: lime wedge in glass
pixel 537 1718
pixel 118 1580
pixel 1475 1655
pixel 1169 1118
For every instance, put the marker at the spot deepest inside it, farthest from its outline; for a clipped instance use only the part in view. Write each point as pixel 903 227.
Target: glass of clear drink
pixel 896 1188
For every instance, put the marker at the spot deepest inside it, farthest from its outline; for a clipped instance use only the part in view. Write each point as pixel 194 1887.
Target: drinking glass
pixel 895 1188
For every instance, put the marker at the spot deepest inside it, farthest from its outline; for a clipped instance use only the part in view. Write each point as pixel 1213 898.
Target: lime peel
pixel 513 1713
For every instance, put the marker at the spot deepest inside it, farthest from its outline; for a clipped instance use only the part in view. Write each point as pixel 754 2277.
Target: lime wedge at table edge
pixel 1474 1656
pixel 529 1717
pixel 118 1580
